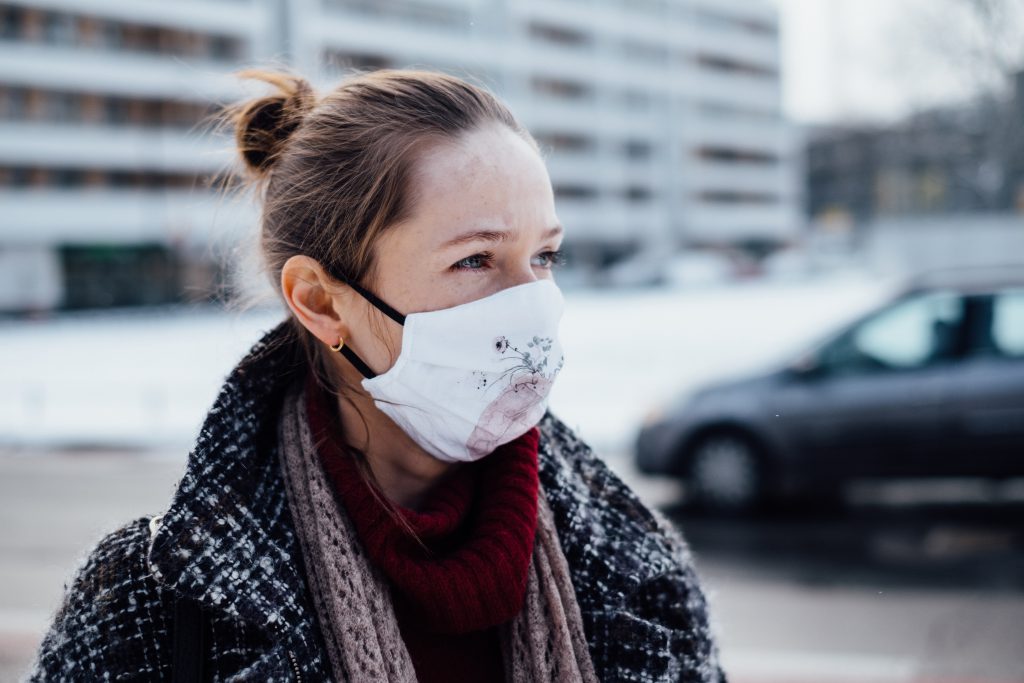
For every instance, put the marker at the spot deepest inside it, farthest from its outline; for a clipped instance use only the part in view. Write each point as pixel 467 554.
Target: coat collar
pixel 228 539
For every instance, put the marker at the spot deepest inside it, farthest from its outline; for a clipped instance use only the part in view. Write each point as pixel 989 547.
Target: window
pixel 557 35
pixel 737 197
pixel 636 149
pixel 566 191
pixel 1008 323
pixel 712 19
pixel 726 64
pixel 558 88
pixel 12 21
pixel 736 155
pixel 363 61
pixel 637 193
pixel 59 29
pixel 564 142
pixel 911 334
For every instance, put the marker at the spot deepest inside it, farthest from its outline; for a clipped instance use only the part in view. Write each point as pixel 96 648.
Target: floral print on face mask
pixel 532 362
pixel 523 399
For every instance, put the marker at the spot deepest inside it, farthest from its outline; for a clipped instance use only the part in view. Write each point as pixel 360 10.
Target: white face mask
pixel 474 376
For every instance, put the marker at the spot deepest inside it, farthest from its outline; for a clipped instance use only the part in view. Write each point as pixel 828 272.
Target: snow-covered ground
pixel 147 378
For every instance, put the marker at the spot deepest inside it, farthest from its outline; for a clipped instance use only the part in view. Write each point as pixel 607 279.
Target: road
pixel 886 589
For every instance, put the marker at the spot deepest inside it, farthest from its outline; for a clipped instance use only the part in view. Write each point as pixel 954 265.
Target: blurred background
pixel 794 282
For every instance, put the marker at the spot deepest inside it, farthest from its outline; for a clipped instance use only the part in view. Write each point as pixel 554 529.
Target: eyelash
pixel 556 258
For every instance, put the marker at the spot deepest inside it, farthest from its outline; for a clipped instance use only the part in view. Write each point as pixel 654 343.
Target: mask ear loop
pixel 354 359
pixel 381 306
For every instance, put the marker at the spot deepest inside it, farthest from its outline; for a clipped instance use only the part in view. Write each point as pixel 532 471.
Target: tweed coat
pixel 227 540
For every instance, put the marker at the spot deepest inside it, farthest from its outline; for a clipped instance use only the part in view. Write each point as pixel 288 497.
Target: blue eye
pixel 483 260
pixel 554 258
pixel 484 256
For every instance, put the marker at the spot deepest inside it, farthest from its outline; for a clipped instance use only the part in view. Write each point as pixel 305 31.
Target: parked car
pixel 929 384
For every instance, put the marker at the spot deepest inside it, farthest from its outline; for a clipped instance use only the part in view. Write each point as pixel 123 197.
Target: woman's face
pixel 484 220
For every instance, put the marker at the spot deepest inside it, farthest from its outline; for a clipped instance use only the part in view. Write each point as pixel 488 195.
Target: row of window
pixel 639 193
pixel 580 91
pixel 43 177
pixel 736 155
pixel 722 111
pixel 410 11
pixel 632 193
pixel 460 18
pixel 37 25
pixel 35 104
pixel 572 143
pixel 144 274
pixel 642 149
pixel 737 197
pixel 557 88
pixel 71 178
pixel 60 28
pixel 712 18
pixel 634 50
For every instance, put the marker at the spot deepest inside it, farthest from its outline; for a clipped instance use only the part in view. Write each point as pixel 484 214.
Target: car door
pixel 878 401
pixel 990 393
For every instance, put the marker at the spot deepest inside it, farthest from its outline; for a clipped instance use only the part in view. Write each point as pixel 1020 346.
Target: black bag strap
pixel 189 633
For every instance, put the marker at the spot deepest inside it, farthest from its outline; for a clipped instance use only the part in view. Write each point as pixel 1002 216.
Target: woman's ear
pixel 320 306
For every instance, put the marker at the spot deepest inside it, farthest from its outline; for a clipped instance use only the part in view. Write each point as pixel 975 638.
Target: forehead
pixel 488 178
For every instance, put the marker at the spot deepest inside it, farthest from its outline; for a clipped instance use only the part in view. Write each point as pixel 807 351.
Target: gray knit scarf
pixel 543 642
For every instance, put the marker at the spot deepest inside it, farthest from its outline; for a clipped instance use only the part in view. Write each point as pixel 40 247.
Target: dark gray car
pixel 930 384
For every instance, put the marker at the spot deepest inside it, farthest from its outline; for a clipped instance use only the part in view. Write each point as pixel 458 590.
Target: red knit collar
pixel 480 523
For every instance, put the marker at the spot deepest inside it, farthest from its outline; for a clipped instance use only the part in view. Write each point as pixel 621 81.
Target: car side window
pixel 913 333
pixel 1008 323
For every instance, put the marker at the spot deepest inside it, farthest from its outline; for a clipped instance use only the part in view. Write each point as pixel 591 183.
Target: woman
pixel 379 491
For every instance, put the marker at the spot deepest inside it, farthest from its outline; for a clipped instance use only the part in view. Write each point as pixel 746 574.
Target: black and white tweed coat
pixel 227 540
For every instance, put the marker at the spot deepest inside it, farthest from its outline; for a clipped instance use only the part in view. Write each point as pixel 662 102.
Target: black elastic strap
pixel 357 361
pixel 189 631
pixel 368 295
pixel 384 308
pixel 373 299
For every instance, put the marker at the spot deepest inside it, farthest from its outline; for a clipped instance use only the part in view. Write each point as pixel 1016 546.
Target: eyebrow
pixel 493 236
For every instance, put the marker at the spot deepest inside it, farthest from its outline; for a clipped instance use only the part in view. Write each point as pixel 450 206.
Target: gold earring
pixel 341 342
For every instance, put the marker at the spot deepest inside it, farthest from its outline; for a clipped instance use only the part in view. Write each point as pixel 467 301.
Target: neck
pixel 404 471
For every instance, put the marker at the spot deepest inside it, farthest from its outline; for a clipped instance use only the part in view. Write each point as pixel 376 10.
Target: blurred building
pixel 942 188
pixel 660 119
pixel 102 174
pixel 966 159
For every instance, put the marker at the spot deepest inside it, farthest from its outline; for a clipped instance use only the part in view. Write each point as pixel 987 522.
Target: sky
pixel 873 60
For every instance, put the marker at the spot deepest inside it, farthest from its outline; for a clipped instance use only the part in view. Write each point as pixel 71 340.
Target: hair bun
pixel 264 124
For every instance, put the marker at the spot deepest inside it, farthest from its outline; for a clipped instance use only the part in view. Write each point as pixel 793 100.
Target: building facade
pixel 660 121
pixel 966 158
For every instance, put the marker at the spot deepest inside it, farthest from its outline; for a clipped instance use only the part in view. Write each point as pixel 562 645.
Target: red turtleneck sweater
pixel 479 524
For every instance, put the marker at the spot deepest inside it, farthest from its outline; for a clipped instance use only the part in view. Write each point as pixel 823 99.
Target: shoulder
pixel 109 615
pixel 644 606
pixel 585 482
